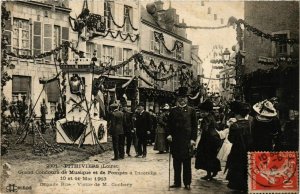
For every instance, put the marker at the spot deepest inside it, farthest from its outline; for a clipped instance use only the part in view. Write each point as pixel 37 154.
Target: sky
pixel 194 14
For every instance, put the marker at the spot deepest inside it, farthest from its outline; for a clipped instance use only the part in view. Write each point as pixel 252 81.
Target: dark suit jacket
pixel 182 126
pixel 128 122
pixel 116 123
pixel 143 124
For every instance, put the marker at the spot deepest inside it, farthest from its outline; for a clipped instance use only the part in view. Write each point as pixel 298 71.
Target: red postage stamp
pixel 273 172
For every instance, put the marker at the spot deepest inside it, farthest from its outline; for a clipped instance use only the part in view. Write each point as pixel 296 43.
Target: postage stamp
pixel 273 172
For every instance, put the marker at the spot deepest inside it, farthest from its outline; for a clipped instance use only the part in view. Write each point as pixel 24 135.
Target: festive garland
pixel 66 44
pixel 233 20
pixel 124 20
pixel 265 35
pixel 119 33
pixel 159 37
pixel 154 76
pixel 201 27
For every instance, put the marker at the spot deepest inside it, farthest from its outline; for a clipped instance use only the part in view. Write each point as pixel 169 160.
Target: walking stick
pixel 169 168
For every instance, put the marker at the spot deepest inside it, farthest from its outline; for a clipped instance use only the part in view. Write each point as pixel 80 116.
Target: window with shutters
pixel 47 39
pixel 21 37
pixel 127 18
pixel 108 12
pixel 119 59
pixel 21 87
pixel 127 70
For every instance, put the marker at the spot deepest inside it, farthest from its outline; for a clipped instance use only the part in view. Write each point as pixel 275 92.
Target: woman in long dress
pixel 207 149
pixel 240 137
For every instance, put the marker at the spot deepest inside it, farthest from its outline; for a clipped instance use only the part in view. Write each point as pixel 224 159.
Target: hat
pixel 166 107
pixel 114 105
pixel 265 108
pixel 206 105
pixel 181 92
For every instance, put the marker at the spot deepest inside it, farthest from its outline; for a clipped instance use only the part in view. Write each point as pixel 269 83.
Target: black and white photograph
pixel 149 96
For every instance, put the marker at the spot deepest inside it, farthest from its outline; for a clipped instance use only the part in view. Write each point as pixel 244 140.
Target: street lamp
pixel 226 55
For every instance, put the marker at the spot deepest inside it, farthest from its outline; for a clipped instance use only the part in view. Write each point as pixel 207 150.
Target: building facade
pixel 271 67
pixel 32 29
pixel 116 43
pixel 165 49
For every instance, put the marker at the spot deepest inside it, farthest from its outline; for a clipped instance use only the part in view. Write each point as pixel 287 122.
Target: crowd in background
pixel 225 133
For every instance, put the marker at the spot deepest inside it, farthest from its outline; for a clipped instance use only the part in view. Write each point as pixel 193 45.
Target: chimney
pixel 159 5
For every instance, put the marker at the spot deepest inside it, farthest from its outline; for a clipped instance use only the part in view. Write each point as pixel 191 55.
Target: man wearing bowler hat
pixel 182 130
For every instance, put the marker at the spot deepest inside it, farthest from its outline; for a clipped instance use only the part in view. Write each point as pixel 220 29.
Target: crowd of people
pixel 224 134
pixel 139 128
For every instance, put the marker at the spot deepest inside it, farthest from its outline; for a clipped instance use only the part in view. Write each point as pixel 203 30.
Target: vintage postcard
pixel 149 96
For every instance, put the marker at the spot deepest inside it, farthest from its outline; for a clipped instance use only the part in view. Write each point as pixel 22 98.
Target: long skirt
pixel 160 142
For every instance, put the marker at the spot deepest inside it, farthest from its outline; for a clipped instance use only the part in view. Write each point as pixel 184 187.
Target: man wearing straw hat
pixel 182 130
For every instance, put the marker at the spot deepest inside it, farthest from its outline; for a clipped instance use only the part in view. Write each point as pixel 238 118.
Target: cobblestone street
pixel 141 175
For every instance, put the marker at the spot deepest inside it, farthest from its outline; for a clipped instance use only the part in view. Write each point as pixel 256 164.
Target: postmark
pixel 273 172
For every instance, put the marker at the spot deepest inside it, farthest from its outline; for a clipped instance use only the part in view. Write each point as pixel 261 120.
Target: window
pixel 161 48
pixel 175 82
pixel 64 38
pixel 127 71
pixel 47 39
pixel 127 18
pixel 108 12
pixel 119 59
pixel 281 48
pixel 108 53
pixel 52 91
pixel 89 49
pixel 20 87
pixel 152 41
pixel 21 37
pixel 56 37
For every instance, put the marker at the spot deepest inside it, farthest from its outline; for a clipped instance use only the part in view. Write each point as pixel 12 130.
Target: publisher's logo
pixel 11 188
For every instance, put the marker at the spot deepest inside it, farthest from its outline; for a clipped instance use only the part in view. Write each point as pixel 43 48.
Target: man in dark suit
pixel 128 128
pixel 117 131
pixel 182 130
pixel 143 127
